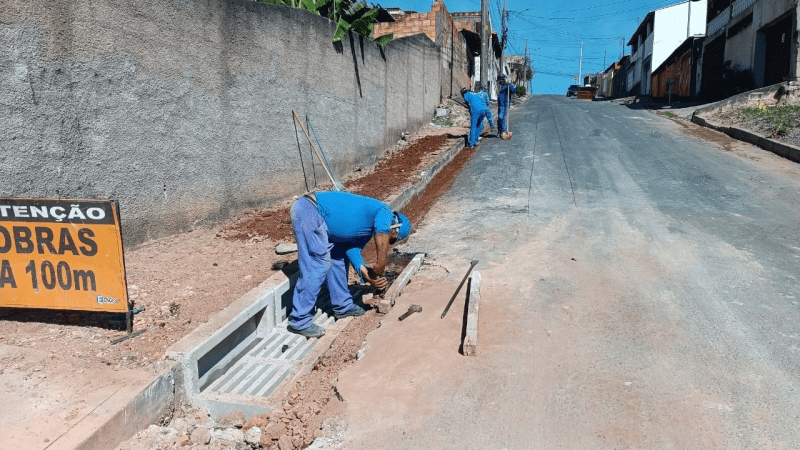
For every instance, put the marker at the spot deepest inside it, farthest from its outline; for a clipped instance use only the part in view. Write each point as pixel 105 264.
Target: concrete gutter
pixel 133 410
pixel 404 198
pixel 779 148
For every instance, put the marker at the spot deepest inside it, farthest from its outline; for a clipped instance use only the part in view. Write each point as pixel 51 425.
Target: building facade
pixel 676 77
pixel 749 44
pixel 458 37
pixel 658 35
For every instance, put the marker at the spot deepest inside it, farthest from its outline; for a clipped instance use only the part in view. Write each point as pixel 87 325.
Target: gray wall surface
pixel 181 109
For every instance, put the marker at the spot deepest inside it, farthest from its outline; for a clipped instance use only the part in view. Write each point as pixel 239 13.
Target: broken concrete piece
pixel 283 249
pixel 470 344
pixel 387 302
pixel 200 436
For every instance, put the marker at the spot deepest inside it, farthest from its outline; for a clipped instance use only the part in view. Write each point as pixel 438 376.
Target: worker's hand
pixel 373 279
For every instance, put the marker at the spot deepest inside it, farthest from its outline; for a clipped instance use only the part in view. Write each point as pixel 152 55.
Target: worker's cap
pixel 483 87
pixel 464 91
pixel 402 225
pixel 501 77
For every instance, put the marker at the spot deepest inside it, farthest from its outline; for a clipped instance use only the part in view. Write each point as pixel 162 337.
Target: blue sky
pixel 554 31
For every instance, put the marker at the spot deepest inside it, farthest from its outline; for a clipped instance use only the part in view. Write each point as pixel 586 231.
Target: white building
pixel 658 35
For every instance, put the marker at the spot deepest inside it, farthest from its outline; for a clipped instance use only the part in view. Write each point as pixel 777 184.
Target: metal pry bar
pixel 450 303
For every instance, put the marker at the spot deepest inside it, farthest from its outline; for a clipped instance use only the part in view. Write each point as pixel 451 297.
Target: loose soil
pixel 761 124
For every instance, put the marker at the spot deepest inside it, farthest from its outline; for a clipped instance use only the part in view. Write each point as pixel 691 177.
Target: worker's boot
pixel 313 331
pixel 354 311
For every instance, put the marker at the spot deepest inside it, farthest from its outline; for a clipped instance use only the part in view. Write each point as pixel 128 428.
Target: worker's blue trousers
pixel 502 112
pixel 490 118
pixel 476 126
pixel 320 261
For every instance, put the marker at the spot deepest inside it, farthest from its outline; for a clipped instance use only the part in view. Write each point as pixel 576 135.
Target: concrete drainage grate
pixel 267 363
pixel 244 359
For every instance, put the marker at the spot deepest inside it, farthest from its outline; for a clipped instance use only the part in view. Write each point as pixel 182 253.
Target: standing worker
pixel 477 112
pixel 331 229
pixel 503 101
pixel 485 97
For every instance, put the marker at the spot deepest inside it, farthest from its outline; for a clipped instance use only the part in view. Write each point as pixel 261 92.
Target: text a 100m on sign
pixel 61 254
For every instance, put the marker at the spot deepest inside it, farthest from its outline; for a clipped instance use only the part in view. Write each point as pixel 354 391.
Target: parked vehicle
pixel 572 91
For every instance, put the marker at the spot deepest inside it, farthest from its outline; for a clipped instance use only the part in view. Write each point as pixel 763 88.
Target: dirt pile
pixel 390 174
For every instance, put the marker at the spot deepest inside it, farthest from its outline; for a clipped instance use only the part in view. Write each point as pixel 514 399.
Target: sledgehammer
pixel 411 310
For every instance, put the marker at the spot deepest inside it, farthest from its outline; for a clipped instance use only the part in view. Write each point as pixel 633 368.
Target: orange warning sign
pixel 61 254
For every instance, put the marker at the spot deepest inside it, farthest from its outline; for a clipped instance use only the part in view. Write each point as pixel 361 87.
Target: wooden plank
pixel 387 302
pixel 470 345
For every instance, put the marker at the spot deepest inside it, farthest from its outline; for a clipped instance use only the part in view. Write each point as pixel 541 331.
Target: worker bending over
pixel 331 229
pixel 477 112
pixel 503 101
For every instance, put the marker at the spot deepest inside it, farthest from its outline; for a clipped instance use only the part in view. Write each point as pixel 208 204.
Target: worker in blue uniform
pixel 331 229
pixel 477 112
pixel 503 100
pixel 485 97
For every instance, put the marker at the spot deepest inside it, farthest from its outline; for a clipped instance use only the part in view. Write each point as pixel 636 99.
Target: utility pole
pixel 504 32
pixel 621 47
pixel 484 40
pixel 525 65
pixel 580 67
pixel 604 60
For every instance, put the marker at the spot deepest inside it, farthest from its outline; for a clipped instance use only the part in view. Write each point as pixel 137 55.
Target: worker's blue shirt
pixel 485 97
pixel 352 220
pixel 503 96
pixel 475 102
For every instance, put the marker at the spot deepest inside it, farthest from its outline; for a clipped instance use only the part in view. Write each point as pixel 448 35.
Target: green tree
pixel 349 15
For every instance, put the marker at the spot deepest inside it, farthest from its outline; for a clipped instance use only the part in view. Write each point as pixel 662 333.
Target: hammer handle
pixel 406 314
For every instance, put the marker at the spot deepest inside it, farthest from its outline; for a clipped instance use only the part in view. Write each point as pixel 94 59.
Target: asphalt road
pixel 640 292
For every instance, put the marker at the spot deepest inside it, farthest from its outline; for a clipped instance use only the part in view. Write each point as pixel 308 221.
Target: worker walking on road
pixel 477 112
pixel 331 229
pixel 503 101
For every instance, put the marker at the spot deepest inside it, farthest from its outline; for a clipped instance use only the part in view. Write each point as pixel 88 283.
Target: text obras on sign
pixel 60 246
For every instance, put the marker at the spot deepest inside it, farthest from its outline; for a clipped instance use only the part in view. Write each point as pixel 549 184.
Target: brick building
pixel 458 37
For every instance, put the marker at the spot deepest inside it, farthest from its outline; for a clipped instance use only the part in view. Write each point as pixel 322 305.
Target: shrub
pixel 521 91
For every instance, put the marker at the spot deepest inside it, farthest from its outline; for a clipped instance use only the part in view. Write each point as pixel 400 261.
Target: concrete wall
pixel 181 109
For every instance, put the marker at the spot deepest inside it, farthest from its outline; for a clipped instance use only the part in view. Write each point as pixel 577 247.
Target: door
pixel 776 63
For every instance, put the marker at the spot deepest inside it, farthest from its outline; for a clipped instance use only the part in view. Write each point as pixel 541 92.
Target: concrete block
pixel 470 344
pixel 387 303
pixel 283 249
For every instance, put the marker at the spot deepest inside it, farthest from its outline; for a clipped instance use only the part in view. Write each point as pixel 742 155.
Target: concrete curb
pixel 785 150
pixel 387 303
pixel 404 198
pixel 123 414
